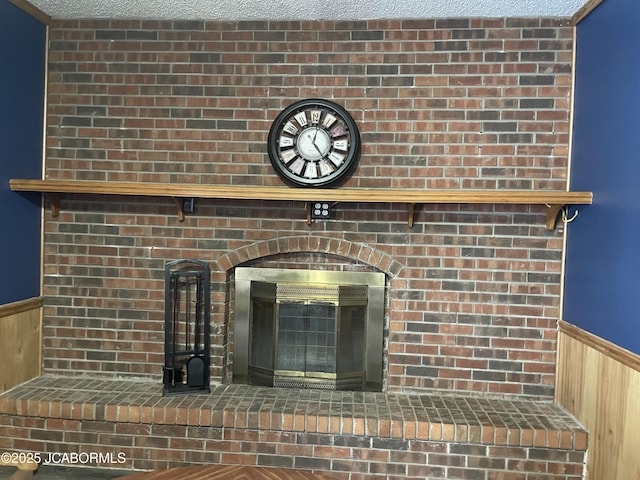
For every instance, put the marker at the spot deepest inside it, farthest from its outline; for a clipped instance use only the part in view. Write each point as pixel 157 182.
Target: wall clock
pixel 314 143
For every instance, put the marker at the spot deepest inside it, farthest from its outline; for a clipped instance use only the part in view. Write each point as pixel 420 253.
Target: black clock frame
pixel 342 172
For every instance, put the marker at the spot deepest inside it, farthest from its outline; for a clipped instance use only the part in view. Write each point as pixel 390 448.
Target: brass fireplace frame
pixel 326 282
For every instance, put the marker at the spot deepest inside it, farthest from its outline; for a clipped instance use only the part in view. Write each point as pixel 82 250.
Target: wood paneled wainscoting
pixel 599 383
pixel 20 342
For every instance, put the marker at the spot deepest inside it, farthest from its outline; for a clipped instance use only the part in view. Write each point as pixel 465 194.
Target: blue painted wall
pixel 602 285
pixel 22 77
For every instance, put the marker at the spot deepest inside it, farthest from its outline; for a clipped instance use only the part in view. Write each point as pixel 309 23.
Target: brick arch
pixel 345 249
pixel 313 244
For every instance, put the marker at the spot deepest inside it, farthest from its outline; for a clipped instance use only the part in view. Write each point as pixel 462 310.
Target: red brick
pixel 403 125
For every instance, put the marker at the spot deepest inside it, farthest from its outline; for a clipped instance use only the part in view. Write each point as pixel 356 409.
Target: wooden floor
pixel 225 472
pixel 65 472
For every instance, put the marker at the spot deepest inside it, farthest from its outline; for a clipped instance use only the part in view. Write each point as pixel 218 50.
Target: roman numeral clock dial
pixel 314 143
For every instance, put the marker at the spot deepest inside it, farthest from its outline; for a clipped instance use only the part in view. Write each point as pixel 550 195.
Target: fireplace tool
pixel 187 327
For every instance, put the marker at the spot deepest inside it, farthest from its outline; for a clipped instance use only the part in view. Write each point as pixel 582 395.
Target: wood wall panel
pixel 599 383
pixel 587 8
pixel 20 342
pixel 33 11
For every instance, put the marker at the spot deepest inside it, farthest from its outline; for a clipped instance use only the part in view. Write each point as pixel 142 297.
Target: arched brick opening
pixel 275 252
pixel 356 252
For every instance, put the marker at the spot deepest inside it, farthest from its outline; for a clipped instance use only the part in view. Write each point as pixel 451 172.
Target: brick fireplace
pixel 473 291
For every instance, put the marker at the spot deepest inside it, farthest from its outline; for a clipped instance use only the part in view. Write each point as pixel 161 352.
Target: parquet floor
pixel 224 472
pixel 47 472
pixel 199 472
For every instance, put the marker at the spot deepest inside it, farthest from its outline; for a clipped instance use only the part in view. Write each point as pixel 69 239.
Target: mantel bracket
pixel 552 215
pixel 412 207
pixel 180 206
pixel 54 200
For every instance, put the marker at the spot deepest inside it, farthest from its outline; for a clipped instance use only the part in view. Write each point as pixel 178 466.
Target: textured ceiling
pixel 305 9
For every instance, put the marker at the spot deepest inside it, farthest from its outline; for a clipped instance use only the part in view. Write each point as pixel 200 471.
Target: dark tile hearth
pixel 290 428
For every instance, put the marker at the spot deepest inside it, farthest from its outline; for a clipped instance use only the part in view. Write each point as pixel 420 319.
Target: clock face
pixel 314 143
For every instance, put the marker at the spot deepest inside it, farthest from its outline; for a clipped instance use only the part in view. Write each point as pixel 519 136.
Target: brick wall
pixel 473 290
pixel 343 457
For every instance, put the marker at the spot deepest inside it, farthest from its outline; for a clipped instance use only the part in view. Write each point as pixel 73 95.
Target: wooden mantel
pixel 554 200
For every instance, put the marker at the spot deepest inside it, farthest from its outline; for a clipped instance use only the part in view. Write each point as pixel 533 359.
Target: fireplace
pixel 309 328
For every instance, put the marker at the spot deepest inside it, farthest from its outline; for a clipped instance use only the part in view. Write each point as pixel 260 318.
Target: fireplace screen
pixel 302 329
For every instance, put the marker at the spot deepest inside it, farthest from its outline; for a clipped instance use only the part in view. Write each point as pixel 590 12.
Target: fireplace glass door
pixel 306 338
pixel 309 335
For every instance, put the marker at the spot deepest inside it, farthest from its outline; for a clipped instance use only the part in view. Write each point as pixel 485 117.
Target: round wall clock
pixel 314 143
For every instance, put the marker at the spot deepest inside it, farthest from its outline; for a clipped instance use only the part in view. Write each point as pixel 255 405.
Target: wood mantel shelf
pixel 554 200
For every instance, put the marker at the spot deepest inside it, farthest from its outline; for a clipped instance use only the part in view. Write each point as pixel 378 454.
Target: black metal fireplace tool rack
pixel 187 328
